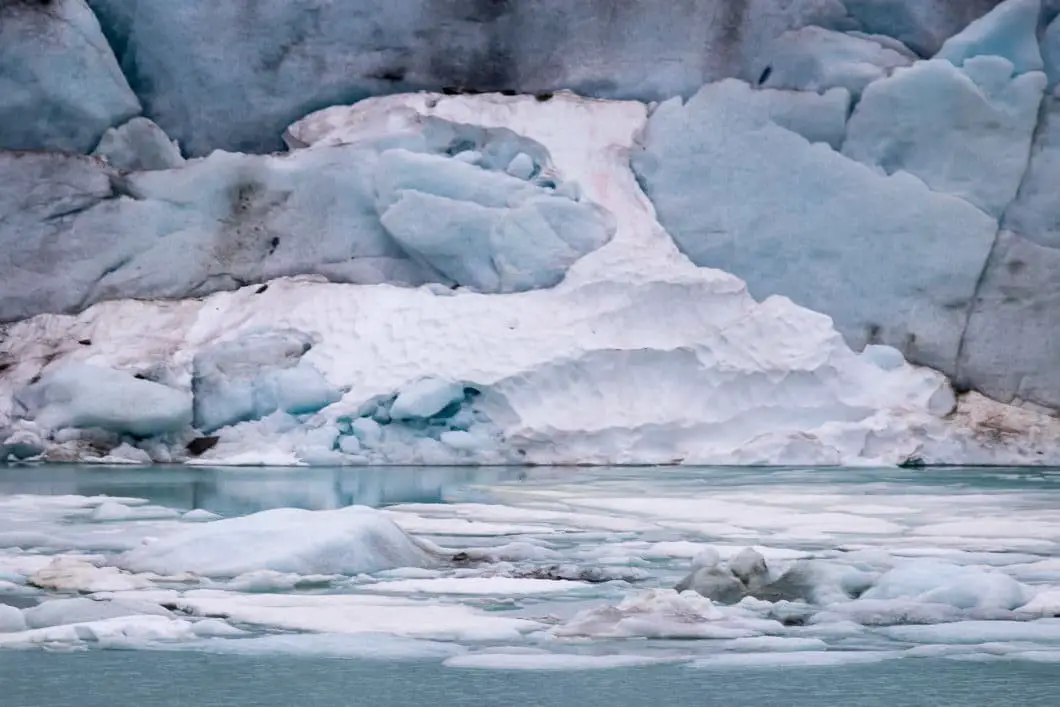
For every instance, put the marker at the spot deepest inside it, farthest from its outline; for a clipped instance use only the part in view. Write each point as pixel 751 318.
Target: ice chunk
pixel 255 375
pixel 120 632
pixel 957 586
pixel 741 194
pixel 359 615
pixel 522 166
pixel 1010 30
pixel 346 541
pixel 818 59
pixel 57 612
pixel 964 132
pixel 425 398
pixel 110 511
pixel 62 86
pixel 367 430
pixel 75 574
pixel 513 586
pixel 483 229
pixel 138 145
pixel 85 396
pixel 715 583
pixel 11 619
pixel 750 567
pixel 923 26
pixel 973 632
pixel 199 515
pixel 1046 604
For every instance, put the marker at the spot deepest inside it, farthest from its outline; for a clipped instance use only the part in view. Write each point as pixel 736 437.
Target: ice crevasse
pixel 637 356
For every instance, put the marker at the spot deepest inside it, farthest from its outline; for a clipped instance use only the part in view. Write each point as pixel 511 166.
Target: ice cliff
pixel 427 278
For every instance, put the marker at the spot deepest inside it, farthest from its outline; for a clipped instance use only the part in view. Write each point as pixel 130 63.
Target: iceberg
pixel 348 541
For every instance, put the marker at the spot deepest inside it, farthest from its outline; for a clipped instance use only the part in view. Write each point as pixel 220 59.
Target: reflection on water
pixel 234 491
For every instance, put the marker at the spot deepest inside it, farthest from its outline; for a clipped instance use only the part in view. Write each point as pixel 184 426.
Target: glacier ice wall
pixel 636 356
pixel 77 230
pixel 198 65
pixel 60 85
pixel 943 246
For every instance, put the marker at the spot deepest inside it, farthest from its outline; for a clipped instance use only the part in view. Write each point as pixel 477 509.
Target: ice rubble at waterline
pixel 890 587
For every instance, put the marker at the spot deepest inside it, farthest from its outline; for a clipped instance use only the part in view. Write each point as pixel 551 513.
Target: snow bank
pixel 346 541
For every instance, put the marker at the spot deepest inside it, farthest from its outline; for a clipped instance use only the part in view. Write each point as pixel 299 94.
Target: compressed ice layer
pixel 351 213
pixel 60 85
pixel 965 131
pixel 1009 31
pixel 255 375
pixel 425 398
pixel 348 541
pixel 740 193
pixel 232 88
pixel 80 395
pixel 819 59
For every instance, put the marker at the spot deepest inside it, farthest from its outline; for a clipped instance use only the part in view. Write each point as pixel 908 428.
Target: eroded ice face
pixel 544 569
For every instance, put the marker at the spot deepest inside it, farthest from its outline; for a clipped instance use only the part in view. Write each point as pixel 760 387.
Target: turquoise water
pixel 155 679
pixel 641 523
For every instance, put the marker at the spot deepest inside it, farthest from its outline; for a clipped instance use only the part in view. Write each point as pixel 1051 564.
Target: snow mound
pixel 347 541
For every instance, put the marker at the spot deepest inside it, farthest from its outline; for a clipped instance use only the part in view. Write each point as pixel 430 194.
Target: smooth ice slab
pixel 346 541
pixel 740 193
pixel 87 396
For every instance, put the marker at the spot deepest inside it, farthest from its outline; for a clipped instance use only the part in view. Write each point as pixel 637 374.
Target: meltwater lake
pixel 549 587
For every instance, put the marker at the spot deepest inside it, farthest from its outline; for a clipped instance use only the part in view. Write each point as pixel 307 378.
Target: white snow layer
pixel 637 356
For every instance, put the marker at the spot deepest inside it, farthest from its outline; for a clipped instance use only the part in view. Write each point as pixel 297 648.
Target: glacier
pixel 542 277
pixel 636 356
